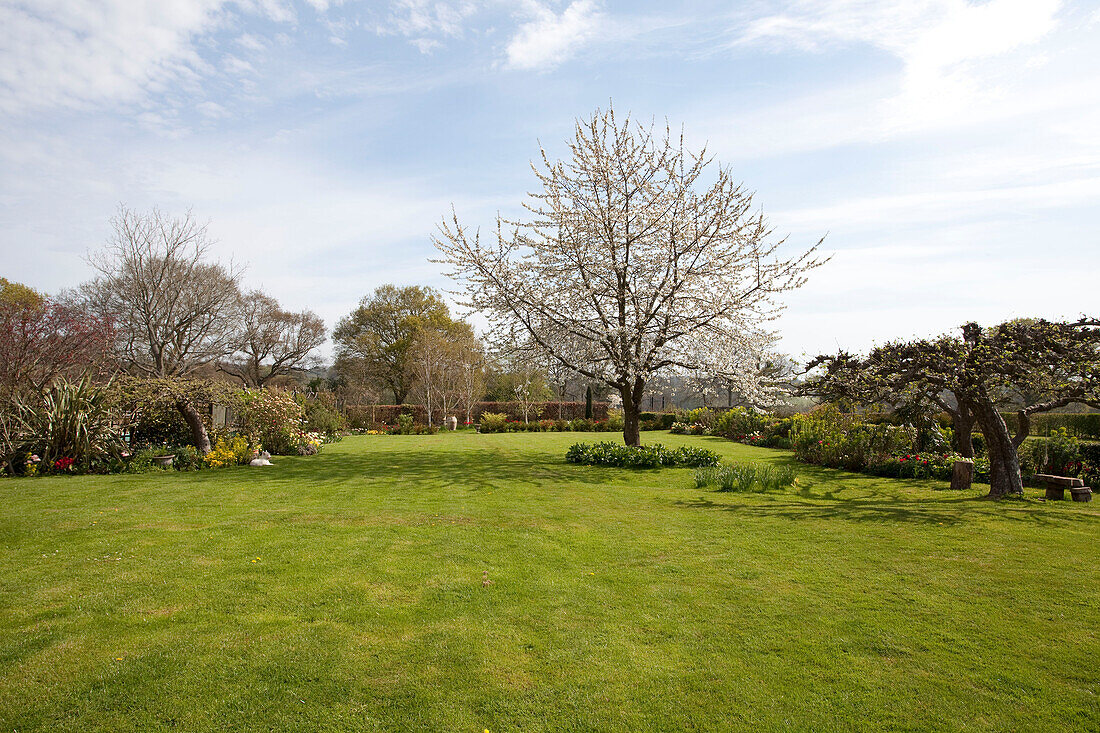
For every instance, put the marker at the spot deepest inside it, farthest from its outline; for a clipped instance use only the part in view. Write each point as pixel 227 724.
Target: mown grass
pixel 344 592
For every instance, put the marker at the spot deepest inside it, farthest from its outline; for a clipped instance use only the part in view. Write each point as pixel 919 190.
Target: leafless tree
pixel 174 312
pixel 624 269
pixel 273 342
pixel 444 360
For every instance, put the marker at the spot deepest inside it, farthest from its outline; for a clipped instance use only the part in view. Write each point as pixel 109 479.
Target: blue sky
pixel 949 150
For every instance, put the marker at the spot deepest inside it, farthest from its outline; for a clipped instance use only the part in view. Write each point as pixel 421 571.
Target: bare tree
pixel 174 312
pixel 472 384
pixel 443 359
pixel 624 270
pixel 273 342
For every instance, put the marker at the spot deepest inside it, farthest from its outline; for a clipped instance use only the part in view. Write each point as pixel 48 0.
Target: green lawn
pixel 344 592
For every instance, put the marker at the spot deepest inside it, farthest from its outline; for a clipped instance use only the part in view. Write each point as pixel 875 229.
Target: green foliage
pixel 615 420
pixel 828 437
pixel 643 456
pixel 150 405
pixel 18 295
pixel 405 425
pixel 71 427
pixel 375 342
pixel 922 465
pixel 142 462
pixel 492 422
pixel 657 420
pixel 188 458
pixel 700 416
pixel 745 477
pixel 1079 425
pixel 738 422
pixel 321 416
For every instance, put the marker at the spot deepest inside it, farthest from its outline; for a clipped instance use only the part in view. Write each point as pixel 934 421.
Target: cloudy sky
pixel 949 150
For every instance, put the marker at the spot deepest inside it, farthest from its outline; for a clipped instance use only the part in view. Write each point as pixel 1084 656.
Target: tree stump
pixel 962 478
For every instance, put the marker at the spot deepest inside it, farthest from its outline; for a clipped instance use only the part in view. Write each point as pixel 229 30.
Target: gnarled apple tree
pixel 1026 366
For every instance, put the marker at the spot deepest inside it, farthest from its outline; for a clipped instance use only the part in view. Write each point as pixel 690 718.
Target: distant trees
pixel 378 341
pixel 628 267
pixel 273 342
pixel 1027 366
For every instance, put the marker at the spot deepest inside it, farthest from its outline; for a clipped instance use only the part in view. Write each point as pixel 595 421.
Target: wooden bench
pixel 1056 487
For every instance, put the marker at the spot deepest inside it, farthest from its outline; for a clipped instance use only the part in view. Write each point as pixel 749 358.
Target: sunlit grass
pixel 346 592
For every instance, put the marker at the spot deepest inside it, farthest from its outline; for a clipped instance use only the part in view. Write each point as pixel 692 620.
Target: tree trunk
pixel 964 431
pixel 1004 463
pixel 962 477
pixel 199 436
pixel 632 409
pixel 588 403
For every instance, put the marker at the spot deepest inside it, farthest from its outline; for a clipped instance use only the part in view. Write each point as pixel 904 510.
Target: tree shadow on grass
pixel 882 507
pixel 417 466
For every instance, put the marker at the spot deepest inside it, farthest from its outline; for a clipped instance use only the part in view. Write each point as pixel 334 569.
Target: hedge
pixel 370 416
pixel 1080 425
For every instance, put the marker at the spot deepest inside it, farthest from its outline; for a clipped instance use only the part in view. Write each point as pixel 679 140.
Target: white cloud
pixel 429 17
pixel 212 110
pixel 78 53
pixel 936 207
pixel 425 45
pixel 251 42
pixel 237 66
pixel 944 47
pixel 549 38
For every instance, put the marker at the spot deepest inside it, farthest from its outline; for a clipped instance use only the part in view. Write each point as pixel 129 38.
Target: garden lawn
pixel 345 592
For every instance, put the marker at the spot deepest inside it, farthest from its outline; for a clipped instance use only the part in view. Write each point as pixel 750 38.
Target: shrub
pixel 270 420
pixel 1078 425
pixel 142 462
pixel 405 425
pixel 187 458
pixel 70 427
pixel 645 456
pixel 614 420
pixel 321 416
pixel 739 421
pixel 230 452
pixel 493 422
pixel 702 415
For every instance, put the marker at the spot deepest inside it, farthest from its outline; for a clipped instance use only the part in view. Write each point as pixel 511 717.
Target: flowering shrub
pixel 827 437
pixel 645 456
pixel 230 452
pixel 740 422
pixel 272 420
pixel 922 465
pixel 309 444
